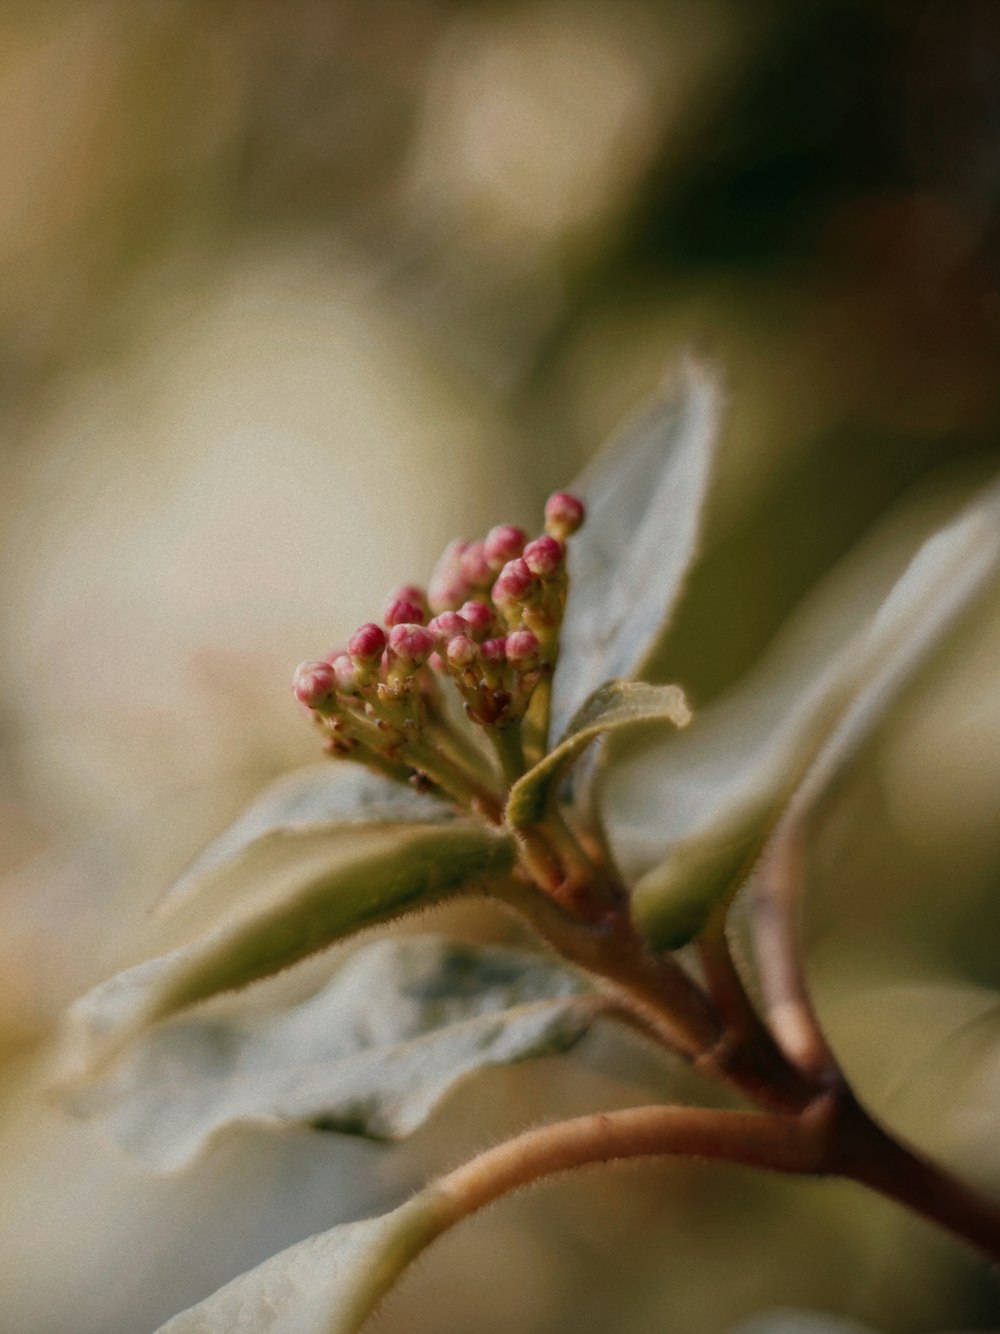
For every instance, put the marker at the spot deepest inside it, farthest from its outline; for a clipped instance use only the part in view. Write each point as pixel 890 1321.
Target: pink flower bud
pixel 412 593
pixel 436 662
pixel 400 610
pixel 494 651
pixel 544 556
pixel 446 626
pixel 412 644
pixel 448 588
pixel 503 543
pixel 313 683
pixel 345 674
pixel 478 617
pixel 367 644
pixel 462 652
pixel 523 650
pixel 515 583
pixel 475 568
pixel 563 514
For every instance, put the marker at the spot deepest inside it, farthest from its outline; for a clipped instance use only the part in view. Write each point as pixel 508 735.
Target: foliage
pixel 617 860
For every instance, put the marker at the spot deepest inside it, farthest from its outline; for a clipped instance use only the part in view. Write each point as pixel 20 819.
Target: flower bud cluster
pixel 487 625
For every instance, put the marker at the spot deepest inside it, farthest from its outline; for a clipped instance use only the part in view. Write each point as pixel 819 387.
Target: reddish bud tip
pixel 503 543
pixel 514 583
pixel 494 651
pixel 313 683
pixel 436 662
pixel 474 567
pixel 367 644
pixel 563 514
pixel 544 556
pixel 478 616
pixel 446 626
pixel 411 643
pixel 402 610
pixel 346 674
pixel 448 588
pixel 412 593
pixel 462 651
pixel 523 650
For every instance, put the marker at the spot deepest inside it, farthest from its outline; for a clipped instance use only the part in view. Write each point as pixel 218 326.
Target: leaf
pixel 321 797
pixel 695 814
pixel 373 1053
pixel 789 1321
pixel 402 869
pixel 327 1284
pixel 613 706
pixel 645 495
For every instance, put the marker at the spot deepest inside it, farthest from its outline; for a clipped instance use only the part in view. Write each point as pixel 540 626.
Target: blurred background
pixel 290 295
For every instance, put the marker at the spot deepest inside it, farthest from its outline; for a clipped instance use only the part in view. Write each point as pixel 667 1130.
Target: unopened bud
pixel 494 651
pixel 503 543
pixel 523 650
pixel 413 593
pixel 448 588
pixel 474 566
pixel 478 617
pixel 563 515
pixel 446 626
pixel 346 674
pixel 401 610
pixel 367 645
pixel 462 652
pixel 545 555
pixel 411 644
pixel 515 583
pixel 313 683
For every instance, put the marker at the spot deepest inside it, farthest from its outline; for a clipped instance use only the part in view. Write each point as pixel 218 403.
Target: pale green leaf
pixel 789 1321
pixel 645 495
pixel 373 1053
pixel 690 816
pixel 614 706
pixel 396 872
pixel 327 1284
pixel 322 798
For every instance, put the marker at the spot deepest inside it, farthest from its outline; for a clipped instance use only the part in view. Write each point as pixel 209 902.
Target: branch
pixel 775 922
pixel 781 1143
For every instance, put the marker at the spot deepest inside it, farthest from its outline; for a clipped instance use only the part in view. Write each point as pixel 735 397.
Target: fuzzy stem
pixel 506 741
pixel 666 1000
pixel 783 1144
pixel 467 790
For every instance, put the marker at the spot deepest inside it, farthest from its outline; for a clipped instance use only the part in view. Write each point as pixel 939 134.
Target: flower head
pixel 493 638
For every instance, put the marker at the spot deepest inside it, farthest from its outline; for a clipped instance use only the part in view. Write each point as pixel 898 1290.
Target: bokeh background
pixel 291 294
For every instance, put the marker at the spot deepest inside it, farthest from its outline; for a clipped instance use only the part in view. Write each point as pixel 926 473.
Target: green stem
pixel 536 719
pixel 466 789
pixel 506 741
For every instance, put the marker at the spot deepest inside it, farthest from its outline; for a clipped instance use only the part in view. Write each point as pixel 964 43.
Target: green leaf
pixel 327 1284
pixel 693 815
pixel 322 798
pixel 394 872
pixel 645 495
pixel 612 707
pixel 373 1053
